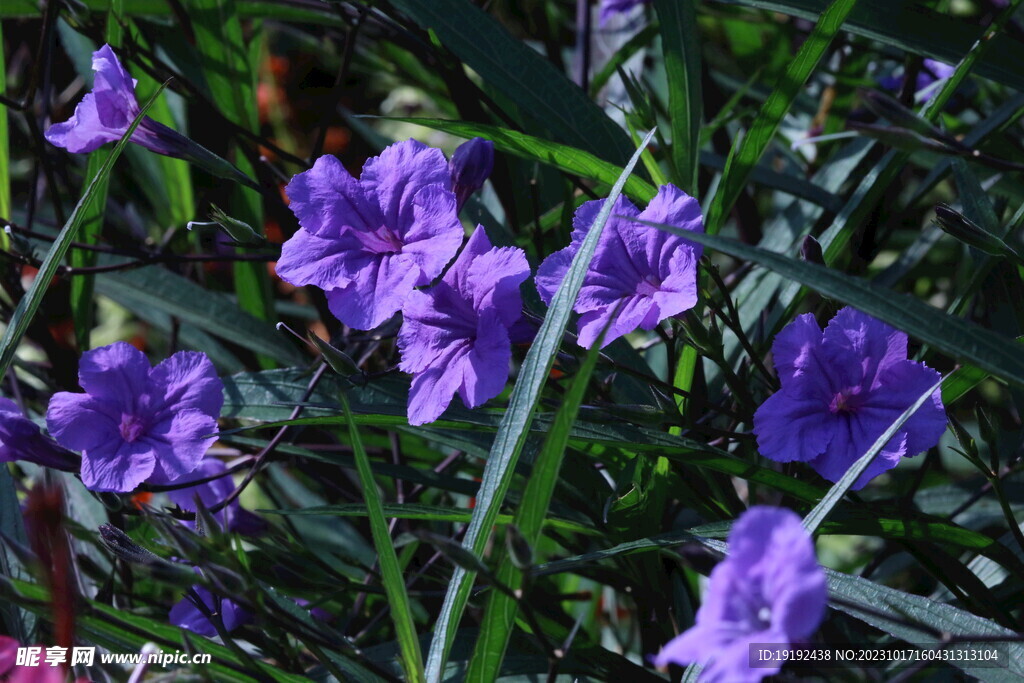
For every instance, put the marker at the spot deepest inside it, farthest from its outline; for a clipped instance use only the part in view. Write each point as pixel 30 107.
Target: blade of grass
pixel 680 44
pixel 822 510
pixel 500 613
pixel 524 146
pixel 29 304
pixel 514 427
pixel 390 570
pixel 744 156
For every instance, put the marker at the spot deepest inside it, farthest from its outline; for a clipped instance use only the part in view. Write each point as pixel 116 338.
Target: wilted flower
pixel 186 614
pixel 367 243
pixel 841 390
pixel 470 166
pixel 650 272
pixel 21 439
pixel 456 334
pixel 770 589
pixel 135 421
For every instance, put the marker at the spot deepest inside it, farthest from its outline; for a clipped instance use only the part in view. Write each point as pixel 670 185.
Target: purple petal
pixel 210 493
pixel 376 294
pixel 552 271
pixel 324 262
pixel 81 422
pixel 83 132
pixel 858 335
pixel 189 380
pixel 674 207
pixel 840 457
pixel 433 388
pixel 795 347
pixel 118 374
pixel 493 280
pixel 794 423
pixel 179 441
pixel 117 466
pixel 435 233
pixel 326 199
pixel 634 310
pixel 398 174
pixel 485 371
pixel 901 385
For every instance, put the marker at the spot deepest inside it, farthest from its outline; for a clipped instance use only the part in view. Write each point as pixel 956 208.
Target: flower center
pixel 846 401
pixel 131 427
pixel 648 286
pixel 764 615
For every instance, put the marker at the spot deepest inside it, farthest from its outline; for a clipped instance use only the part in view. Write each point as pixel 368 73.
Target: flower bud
pixel 470 166
pixel 810 251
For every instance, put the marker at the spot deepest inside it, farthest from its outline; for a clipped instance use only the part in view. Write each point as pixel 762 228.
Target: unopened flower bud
pixel 470 166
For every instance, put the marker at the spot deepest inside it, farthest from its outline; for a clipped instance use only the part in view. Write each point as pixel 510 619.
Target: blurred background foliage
pixel 661 455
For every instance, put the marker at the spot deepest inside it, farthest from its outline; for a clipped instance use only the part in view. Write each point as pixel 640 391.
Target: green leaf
pixel 5 154
pixel 562 157
pixel 209 311
pixel 519 73
pixel 390 570
pixel 28 305
pixel 744 157
pixel 680 44
pixel 500 613
pixel 816 516
pixel 917 29
pixel 956 337
pixel 514 427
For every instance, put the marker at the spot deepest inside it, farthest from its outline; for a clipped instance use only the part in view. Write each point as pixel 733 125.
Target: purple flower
pixel 769 589
pixel 841 390
pixel 137 422
pixel 104 115
pixel 21 439
pixel 211 492
pixel 367 243
pixel 652 274
pixel 610 8
pixel 456 334
pixel 470 166
pixel 187 615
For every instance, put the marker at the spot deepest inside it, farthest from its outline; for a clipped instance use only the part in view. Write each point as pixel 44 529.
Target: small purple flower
pixel 841 390
pixel 652 274
pixel 470 166
pixel 104 115
pixel 609 8
pixel 769 589
pixel 210 493
pixel 367 243
pixel 21 439
pixel 456 334
pixel 185 614
pixel 137 422
pixel 931 72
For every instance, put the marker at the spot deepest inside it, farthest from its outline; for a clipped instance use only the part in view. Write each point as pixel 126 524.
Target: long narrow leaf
pixel 959 338
pixel 742 161
pixel 499 617
pixel 515 424
pixel 390 570
pixel 680 41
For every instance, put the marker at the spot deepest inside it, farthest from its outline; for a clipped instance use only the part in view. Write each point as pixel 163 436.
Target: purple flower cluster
pixel 841 389
pixel 21 439
pixel 644 273
pixel 770 589
pixel 187 614
pixel 136 422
